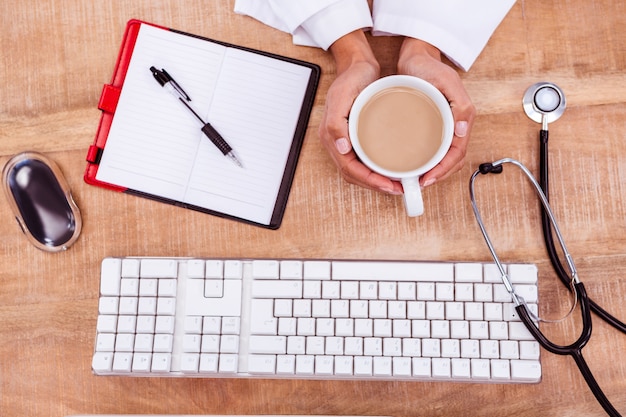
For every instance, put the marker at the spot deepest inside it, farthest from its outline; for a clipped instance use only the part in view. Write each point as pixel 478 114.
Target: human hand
pixel 356 68
pixel 423 60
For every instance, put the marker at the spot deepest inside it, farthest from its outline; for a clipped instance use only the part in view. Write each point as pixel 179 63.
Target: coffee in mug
pixel 401 127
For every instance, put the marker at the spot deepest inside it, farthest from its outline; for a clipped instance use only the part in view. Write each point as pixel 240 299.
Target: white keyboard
pixel 322 319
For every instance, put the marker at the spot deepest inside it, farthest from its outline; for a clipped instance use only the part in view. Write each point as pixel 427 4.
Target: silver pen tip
pixel 234 158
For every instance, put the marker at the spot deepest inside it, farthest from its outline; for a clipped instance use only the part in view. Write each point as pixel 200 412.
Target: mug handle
pixel 413 202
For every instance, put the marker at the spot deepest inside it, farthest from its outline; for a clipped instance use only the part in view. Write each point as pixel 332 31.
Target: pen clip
pixel 163 77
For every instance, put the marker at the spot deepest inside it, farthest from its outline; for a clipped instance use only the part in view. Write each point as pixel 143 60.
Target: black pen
pixel 166 81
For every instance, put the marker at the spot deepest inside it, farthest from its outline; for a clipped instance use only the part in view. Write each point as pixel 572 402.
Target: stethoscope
pixel 544 103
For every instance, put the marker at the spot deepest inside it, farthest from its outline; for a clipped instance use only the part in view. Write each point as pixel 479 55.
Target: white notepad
pixel 259 103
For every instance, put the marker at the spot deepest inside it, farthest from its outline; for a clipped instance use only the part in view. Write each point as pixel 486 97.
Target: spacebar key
pixel 393 271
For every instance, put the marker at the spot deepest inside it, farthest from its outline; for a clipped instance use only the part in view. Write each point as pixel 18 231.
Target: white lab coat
pixel 459 28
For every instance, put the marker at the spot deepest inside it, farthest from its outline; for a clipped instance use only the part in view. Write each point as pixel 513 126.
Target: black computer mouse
pixel 41 201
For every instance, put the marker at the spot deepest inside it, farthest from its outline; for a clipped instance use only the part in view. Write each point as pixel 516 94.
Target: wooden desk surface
pixel 57 55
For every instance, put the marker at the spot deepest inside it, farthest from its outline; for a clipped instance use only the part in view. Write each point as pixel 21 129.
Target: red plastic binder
pixel 108 104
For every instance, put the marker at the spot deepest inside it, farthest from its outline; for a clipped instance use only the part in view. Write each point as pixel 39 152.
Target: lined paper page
pixel 256 106
pixel 154 139
pixel 156 146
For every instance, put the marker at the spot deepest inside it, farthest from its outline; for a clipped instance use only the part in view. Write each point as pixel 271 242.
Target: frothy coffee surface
pixel 400 129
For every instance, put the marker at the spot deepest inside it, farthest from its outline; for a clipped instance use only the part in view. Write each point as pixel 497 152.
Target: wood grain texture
pixel 56 57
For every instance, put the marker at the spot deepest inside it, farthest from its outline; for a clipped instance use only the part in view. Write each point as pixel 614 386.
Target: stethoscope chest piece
pixel 544 102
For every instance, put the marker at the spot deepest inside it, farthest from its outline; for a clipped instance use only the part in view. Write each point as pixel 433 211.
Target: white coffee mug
pixel 414 203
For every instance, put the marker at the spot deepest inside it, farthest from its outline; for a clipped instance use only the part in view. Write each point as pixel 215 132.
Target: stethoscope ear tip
pixel 544 102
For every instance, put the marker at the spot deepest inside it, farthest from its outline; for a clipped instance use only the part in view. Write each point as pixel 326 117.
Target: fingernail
pixel 342 145
pixel 429 182
pixel 460 129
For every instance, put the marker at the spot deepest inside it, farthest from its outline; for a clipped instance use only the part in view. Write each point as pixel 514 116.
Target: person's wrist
pixel 351 49
pixel 412 48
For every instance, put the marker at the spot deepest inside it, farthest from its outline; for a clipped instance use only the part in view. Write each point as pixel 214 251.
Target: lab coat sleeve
pixel 460 29
pixel 316 23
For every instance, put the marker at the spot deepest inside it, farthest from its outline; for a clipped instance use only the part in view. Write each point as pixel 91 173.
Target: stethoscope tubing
pixel 574 349
pixel 549 240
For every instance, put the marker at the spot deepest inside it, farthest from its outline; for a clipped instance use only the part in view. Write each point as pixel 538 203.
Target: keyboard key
pixel 148 287
pixel 461 368
pixel 468 272
pixel 305 364
pixel 122 361
pixel 167 288
pixel 213 288
pixel 522 274
pixel 189 363
pixel 479 330
pixel 265 269
pixel 233 269
pixel 164 324
pixel 191 343
pixel 124 342
pixel 422 367
pixel 527 292
pixel 393 271
pixel 470 348
pixel 277 289
pixel 464 292
pixel 529 350
pixel 285 364
pixel 480 368
pixel 324 365
pixel 143 342
pixel 381 366
pixel 518 331
pixel 108 305
pixel 231 325
pixel 444 291
pixel 163 342
pixel 142 362
pixel 106 324
pixel 435 310
pixel 195 269
pixel 110 276
pixel 268 344
pixel 228 363
pixel 441 368
pixel 102 361
pixel 402 367
pixel 212 269
pixel 290 269
pixel 208 363
pixel 459 329
pixel 161 362
pixel 316 270
pixel 509 349
pixel 493 311
pixel 363 365
pixel 129 287
pixel 343 365
pixel 262 364
pixel 526 370
pixel 483 292
pixel 158 268
pixel 500 369
pixel 130 268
